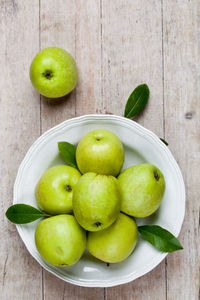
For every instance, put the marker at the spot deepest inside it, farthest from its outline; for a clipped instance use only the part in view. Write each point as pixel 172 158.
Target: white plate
pixel 141 145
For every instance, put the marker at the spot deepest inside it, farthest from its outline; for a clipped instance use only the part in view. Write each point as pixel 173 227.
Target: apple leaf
pixel 68 153
pixel 166 143
pixel 160 238
pixel 23 213
pixel 137 101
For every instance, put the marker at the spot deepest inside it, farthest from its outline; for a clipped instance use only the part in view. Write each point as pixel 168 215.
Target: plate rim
pixel 159 256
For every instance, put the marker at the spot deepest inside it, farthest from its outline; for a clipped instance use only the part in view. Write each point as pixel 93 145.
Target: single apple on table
pixel 53 72
pixel 54 190
pixel 115 243
pixel 60 240
pixel 96 201
pixel 100 151
pixel 141 187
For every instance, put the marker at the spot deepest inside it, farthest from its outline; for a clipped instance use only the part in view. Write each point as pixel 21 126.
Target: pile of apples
pixel 93 206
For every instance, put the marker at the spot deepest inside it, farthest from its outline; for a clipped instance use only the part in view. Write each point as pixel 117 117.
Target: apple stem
pixel 156 176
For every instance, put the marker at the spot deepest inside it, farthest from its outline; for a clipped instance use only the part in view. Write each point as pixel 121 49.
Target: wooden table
pixel 117 45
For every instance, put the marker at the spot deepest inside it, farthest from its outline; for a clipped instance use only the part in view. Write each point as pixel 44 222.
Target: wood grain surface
pixel 117 45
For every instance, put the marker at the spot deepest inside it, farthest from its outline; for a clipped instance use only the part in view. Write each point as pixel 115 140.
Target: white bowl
pixel 141 145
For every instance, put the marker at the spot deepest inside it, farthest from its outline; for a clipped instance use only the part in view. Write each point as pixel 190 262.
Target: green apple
pixel 96 201
pixel 55 189
pixel 60 240
pixel 141 188
pixel 53 72
pixel 116 242
pixel 100 151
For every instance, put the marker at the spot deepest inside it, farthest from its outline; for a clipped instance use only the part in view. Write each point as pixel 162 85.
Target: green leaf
pixel 23 213
pixel 166 143
pixel 137 101
pixel 160 238
pixel 68 153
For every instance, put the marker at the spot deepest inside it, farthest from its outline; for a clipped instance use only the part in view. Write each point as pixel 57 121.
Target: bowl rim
pixel 130 123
